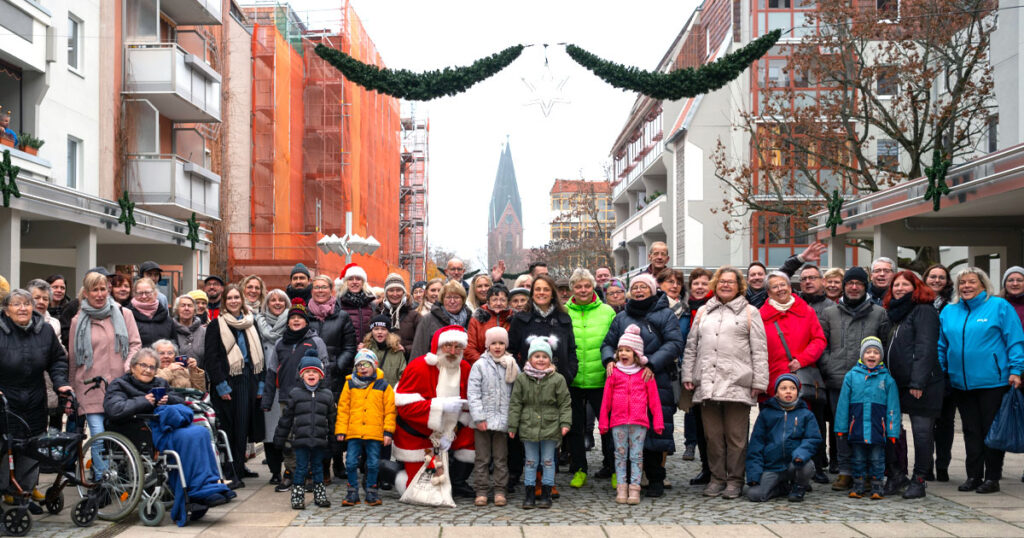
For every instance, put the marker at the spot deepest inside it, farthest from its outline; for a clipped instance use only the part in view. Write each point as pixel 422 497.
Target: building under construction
pixel 322 146
pixel 412 195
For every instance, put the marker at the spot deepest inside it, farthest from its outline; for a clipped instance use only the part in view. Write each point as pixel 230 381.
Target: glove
pixel 454 405
pixel 446 441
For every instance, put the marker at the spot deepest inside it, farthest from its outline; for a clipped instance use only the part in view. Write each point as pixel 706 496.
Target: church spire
pixel 505 191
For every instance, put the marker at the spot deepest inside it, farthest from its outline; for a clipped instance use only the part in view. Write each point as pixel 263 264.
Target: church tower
pixel 505 217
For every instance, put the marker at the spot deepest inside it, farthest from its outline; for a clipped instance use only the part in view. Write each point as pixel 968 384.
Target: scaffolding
pixel 412 196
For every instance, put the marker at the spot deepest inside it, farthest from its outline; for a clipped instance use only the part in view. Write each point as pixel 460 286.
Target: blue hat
pixel 311 360
pixel 787 377
pixel 544 344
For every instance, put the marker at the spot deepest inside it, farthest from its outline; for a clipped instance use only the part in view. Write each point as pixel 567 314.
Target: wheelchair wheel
pixel 116 493
pixel 84 513
pixel 17 522
pixel 152 514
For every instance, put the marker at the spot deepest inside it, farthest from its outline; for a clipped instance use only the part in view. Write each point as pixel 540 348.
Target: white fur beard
pixel 449 378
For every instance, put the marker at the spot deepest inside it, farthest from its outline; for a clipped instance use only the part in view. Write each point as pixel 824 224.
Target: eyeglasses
pixel 727 282
pixel 144 293
pixel 615 292
pixel 146 367
pixel 20 305
pixel 810 277
pixel 881 270
pixel 321 288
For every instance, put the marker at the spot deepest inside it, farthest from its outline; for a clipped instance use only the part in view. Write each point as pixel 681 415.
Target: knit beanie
pixel 298 308
pixel 198 295
pixel 364 355
pixel 496 334
pixel 871 341
pixel 788 377
pixel 311 360
pixel 856 273
pixel 300 268
pixel 1015 269
pixel 380 320
pixel 544 344
pixel 394 280
pixel 631 338
pixel 419 284
pixel 646 279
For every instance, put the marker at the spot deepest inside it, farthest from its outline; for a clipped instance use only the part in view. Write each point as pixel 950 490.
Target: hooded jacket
pixel 803 334
pixel 726 354
pixel 339 336
pixel 780 437
pixel 481 320
pixel 590 324
pixel 366 413
pixel 912 359
pixel 981 342
pixel 310 417
pixel 844 328
pixel 539 408
pixel 489 394
pixel 24 355
pixel 869 406
pixel 629 400
pixel 283 367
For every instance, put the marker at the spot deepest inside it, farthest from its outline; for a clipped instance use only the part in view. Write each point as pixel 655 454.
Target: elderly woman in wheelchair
pixel 140 406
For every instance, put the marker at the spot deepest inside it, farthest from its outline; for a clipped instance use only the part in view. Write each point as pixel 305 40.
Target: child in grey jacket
pixel 489 391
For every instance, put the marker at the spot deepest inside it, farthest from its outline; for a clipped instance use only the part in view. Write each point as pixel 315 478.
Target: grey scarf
pixel 460 319
pixel 271 327
pixel 83 332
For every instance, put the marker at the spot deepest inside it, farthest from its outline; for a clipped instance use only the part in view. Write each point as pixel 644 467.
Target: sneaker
pixel 275 479
pixel 480 500
pixel 578 480
pixel 714 489
pixel 351 498
pixel 796 493
pixel 842 483
pixel 689 453
pixel 615 481
pixel 500 499
pixel 916 488
pixel 732 491
pixel 604 472
pixel 285 484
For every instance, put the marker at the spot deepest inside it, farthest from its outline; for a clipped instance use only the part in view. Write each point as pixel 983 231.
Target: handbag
pixel 431 486
pixel 1007 430
pixel 812 385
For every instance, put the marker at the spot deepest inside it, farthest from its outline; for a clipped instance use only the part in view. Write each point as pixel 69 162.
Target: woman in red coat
pixel 796 320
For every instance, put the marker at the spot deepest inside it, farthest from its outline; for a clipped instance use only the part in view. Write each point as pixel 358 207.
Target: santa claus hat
pixel 448 334
pixel 353 270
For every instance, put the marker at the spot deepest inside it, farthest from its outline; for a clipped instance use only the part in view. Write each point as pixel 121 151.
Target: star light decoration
pixel 546 90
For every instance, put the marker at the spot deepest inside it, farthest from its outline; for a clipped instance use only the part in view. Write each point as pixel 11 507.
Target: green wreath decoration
pixel 405 84
pixel 688 82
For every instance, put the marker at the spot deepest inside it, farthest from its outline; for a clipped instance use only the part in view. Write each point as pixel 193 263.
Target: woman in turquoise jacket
pixel 591 319
pixel 981 348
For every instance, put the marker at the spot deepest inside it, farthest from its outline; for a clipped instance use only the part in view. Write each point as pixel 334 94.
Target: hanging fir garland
pixel 127 212
pixel 835 211
pixel 8 179
pixel 680 83
pixel 193 230
pixel 936 174
pixel 405 84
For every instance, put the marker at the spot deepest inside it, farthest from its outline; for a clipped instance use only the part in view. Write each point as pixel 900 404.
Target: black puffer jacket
pixel 191 340
pixel 360 308
pixel 24 355
pixel 338 334
pixel 557 324
pixel 309 418
pixel 663 345
pixel 153 328
pixel 283 366
pixel 126 396
pixel 912 357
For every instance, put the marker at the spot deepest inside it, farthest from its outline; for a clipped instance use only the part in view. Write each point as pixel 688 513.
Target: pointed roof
pixel 505 191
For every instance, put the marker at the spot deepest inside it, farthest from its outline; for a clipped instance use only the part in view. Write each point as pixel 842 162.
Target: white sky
pixel 468 130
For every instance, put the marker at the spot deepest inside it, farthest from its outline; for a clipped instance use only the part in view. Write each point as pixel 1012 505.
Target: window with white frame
pixel 887 154
pixel 74 42
pixel 74 171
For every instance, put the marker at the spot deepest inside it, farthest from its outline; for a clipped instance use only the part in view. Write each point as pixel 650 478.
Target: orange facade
pixel 321 146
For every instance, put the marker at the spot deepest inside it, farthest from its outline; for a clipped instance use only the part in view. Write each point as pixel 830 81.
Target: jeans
pixel 774 484
pixel 309 460
pixel 842 445
pixel 629 445
pixel 868 460
pixel 582 400
pixel 356 449
pixel 95 421
pixel 544 452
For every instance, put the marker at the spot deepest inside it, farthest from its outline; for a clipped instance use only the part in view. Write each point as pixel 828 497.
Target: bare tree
pixel 580 233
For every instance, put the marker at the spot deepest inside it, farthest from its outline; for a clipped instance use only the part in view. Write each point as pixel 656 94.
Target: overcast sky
pixel 468 131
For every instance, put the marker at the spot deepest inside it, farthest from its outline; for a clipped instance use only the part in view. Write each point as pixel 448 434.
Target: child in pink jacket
pixel 628 418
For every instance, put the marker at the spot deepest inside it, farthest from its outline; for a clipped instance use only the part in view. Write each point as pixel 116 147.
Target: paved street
pixel 591 511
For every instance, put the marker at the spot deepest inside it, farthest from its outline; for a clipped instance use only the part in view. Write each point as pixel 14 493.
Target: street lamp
pixel 349 243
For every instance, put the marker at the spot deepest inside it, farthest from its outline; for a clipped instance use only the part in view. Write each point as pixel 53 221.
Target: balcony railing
pixel 643 221
pixel 653 153
pixel 172 186
pixel 192 12
pixel 178 83
pixel 24 39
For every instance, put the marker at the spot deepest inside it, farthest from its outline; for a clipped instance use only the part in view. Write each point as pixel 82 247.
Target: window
pixel 74 171
pixel 888 10
pixel 888 154
pixel 74 42
pixel 993 134
pixel 885 83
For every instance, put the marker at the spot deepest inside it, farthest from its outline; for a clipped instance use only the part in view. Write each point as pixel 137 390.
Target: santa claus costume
pixel 431 412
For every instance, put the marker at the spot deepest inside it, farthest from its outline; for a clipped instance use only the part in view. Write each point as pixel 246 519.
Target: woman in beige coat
pixel 726 365
pixel 102 339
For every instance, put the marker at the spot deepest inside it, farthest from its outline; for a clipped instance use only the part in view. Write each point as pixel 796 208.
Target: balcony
pixel 179 84
pixel 192 12
pixel 26 37
pixel 173 186
pixel 647 220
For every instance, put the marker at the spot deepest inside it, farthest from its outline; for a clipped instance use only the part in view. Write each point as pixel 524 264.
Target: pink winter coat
pixel 627 400
pixel 106 361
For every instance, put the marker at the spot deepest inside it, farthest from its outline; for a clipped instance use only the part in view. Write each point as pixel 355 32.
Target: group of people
pixel 510 380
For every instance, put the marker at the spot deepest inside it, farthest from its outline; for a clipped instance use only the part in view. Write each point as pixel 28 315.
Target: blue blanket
pixel 174 431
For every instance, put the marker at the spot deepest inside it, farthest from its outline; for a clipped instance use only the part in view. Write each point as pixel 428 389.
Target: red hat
pixel 353 270
pixel 450 333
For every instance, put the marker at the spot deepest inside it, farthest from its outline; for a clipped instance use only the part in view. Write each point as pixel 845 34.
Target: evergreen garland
pixel 9 179
pixel 936 174
pixel 688 82
pixel 405 84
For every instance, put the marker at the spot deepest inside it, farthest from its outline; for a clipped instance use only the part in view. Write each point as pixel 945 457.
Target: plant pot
pixel 6 141
pixel 30 150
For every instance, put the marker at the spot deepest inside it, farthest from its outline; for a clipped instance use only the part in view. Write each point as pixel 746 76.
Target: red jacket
pixel 482 320
pixel 803 334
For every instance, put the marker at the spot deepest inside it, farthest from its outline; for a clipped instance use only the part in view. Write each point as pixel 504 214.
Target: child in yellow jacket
pixel 366 419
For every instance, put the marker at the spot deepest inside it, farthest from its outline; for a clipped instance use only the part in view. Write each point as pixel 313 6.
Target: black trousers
pixel 241 417
pixel 978 408
pixel 821 411
pixel 516 459
pixel 702 443
pixel 653 467
pixel 945 431
pixel 581 399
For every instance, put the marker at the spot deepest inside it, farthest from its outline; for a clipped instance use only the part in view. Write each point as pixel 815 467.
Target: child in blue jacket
pixel 868 413
pixel 785 439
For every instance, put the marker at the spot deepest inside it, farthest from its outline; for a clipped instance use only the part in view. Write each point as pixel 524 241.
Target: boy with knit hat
pixel 366 420
pixel 868 414
pixel 489 391
pixel 785 439
pixel 308 419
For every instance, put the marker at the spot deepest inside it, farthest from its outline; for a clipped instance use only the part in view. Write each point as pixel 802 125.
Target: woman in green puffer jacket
pixel 590 322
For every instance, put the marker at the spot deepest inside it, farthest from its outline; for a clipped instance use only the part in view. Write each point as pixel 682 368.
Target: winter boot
pixel 545 497
pixel 877 490
pixel 796 493
pixel 286 482
pixel 895 484
pixel 320 495
pixel 459 475
pixel 621 492
pixel 634 494
pixel 858 488
pixel 351 498
pixel 916 488
pixel 842 483
pixel 298 498
pixel 372 497
pixel 529 498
